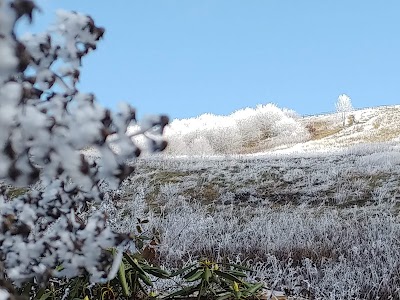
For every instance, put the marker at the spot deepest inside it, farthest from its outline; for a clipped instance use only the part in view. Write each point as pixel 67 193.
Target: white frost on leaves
pixel 45 124
pixel 115 266
pixel 320 241
pixel 210 134
pixel 8 61
pixel 4 295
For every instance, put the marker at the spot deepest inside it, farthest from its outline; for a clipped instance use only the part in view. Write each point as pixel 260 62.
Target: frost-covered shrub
pixel 211 134
pixel 45 122
pixel 206 134
pixel 283 124
pixel 249 126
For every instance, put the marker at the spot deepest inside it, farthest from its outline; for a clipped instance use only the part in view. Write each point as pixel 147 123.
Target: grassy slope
pixel 340 166
pixel 371 125
pixel 318 218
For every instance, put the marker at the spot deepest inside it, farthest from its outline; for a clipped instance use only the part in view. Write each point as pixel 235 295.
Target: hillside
pixel 370 125
pixel 317 218
pixel 269 129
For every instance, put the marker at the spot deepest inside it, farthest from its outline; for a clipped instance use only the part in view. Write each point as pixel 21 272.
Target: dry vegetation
pixel 322 129
pixel 320 226
pixel 318 219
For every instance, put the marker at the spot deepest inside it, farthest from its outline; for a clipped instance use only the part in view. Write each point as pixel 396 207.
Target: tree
pixel 343 106
pixel 45 122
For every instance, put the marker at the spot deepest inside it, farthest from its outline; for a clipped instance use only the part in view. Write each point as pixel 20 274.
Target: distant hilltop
pixel 270 129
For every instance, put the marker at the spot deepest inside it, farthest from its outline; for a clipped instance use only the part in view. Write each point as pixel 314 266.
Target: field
pixel 315 215
pixel 320 223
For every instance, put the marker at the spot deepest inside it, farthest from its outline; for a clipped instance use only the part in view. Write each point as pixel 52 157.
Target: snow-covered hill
pixel 369 126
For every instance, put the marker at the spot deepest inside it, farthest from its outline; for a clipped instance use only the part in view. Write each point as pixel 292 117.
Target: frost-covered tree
pixel 45 122
pixel 343 106
pixel 235 133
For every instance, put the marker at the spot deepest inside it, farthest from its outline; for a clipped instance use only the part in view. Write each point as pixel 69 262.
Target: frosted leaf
pixel 4 295
pixel 115 266
pixel 45 123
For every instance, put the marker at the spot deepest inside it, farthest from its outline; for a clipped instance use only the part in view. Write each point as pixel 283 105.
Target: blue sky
pixel 185 58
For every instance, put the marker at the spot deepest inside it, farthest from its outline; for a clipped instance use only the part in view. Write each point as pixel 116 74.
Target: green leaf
pixel 59 268
pixel 227 276
pixel 145 279
pixel 134 263
pixel 183 292
pixel 247 284
pixel 122 279
pixel 40 293
pixel 201 290
pixel 134 282
pixel 139 243
pixel 27 288
pixel 75 286
pixel 191 273
pixel 195 276
pixel 183 270
pixel 239 267
pixel 207 274
pixel 46 295
pixel 159 273
pixel 255 288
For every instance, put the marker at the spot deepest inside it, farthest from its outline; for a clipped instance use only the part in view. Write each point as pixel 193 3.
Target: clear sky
pixel 185 58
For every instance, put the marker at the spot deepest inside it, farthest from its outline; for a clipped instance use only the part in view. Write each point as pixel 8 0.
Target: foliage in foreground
pixel 203 280
pixel 45 122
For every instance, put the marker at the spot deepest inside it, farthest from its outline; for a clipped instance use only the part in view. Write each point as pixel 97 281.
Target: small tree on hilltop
pixel 45 122
pixel 343 106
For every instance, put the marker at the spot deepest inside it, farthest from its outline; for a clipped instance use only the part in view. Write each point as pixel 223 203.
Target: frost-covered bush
pixel 236 133
pixel 206 134
pixel 45 122
pixel 248 124
pixel 281 124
